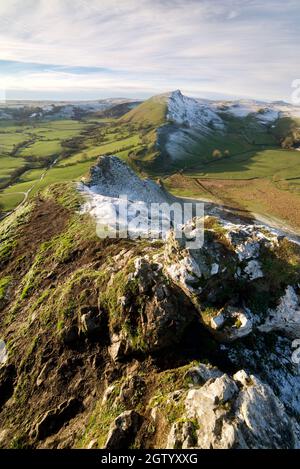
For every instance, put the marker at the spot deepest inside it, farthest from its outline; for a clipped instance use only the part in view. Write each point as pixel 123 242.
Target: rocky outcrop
pixel 231 323
pixel 227 273
pixel 155 313
pixel 112 177
pixel 116 196
pixel 123 329
pixel 123 430
pixel 91 321
pixel 3 353
pixel 286 316
pixel 54 419
pixel 238 412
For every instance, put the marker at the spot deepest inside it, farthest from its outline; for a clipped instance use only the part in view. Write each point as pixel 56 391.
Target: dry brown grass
pixel 260 196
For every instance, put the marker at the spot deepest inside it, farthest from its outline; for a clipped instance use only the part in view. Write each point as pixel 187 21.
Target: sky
pixel 89 49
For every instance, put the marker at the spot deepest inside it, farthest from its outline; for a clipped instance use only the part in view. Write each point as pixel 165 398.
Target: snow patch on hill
pixel 192 119
pixel 206 115
pixel 263 112
pixel 115 194
pixel 183 110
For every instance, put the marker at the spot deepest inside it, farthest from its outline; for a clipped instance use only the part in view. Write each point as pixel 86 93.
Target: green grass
pixel 8 165
pixel 10 197
pixel 240 138
pixel 33 146
pixel 115 147
pixel 9 201
pixel 42 149
pixel 31 175
pixel 266 163
pixel 152 112
pixel 4 284
pixel 65 174
pixel 9 138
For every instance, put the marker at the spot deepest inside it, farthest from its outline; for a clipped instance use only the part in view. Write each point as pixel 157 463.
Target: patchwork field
pixel 266 183
pixel 251 173
pixel 32 157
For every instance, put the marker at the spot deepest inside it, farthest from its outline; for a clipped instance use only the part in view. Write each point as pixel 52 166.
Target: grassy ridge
pixel 152 112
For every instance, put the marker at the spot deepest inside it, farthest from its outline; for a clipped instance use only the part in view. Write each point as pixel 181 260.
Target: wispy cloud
pixel 140 47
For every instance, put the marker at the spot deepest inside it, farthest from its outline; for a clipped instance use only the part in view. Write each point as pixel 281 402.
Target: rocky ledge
pixel 152 344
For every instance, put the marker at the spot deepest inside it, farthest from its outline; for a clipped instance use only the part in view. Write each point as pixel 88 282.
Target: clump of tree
pixel 291 141
pixel 19 146
pixel 217 153
pixel 287 143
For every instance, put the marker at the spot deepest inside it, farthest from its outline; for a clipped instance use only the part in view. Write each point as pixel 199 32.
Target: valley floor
pixel 262 199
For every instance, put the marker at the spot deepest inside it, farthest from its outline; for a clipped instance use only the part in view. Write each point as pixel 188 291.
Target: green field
pixel 8 165
pixel 118 147
pixel 71 146
pixel 266 183
pixel 27 151
pixel 273 163
pixel 41 153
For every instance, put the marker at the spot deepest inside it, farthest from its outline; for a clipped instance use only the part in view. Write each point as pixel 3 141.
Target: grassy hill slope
pixel 150 113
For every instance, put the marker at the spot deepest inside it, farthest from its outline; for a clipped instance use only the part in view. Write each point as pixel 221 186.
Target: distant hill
pixel 51 110
pixel 151 112
pixel 118 110
pixel 190 131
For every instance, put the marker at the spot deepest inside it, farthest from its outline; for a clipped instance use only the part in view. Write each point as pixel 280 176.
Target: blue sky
pixel 86 49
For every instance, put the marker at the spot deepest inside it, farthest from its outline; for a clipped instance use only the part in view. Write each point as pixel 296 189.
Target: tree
pixel 288 143
pixel 226 153
pixel 216 153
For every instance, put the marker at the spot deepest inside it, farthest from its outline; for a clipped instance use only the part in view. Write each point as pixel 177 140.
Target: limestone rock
pixel 108 393
pixel 217 321
pixel 161 320
pixel 182 435
pixel 242 378
pixel 214 269
pixel 123 430
pixel 90 324
pixel 3 353
pixel 93 444
pixel 132 390
pixel 223 415
pixel 145 274
pixel 262 419
pixel 231 324
pixel 44 372
pixel 253 270
pixel 286 317
pixel 117 349
pixel 164 320
pixel 201 373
